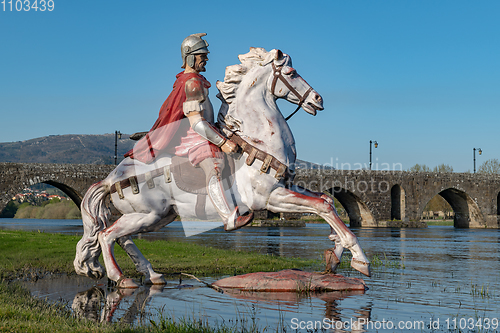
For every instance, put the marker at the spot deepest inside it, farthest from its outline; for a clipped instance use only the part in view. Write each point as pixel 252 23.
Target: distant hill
pixel 78 149
pixel 70 148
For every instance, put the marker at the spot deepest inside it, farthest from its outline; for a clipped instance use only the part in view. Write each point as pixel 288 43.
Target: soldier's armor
pixel 197 100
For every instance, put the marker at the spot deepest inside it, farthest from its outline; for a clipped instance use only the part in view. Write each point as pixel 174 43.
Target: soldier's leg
pixel 226 209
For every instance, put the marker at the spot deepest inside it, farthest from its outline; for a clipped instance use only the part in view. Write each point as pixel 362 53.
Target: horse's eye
pixel 290 71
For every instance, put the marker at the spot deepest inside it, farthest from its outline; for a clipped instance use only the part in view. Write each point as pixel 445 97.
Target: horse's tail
pixel 94 216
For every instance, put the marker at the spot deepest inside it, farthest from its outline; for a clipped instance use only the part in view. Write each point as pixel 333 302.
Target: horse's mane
pixel 235 73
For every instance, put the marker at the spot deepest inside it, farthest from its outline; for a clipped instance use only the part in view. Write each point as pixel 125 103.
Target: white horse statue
pixel 149 199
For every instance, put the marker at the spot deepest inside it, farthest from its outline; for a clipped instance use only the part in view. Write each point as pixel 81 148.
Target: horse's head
pixel 251 88
pixel 286 83
pixel 249 92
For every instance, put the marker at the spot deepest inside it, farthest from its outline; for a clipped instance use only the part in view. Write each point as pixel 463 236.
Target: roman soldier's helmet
pixel 191 45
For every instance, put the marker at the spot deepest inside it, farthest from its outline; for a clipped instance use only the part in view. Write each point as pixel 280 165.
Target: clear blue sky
pixel 420 77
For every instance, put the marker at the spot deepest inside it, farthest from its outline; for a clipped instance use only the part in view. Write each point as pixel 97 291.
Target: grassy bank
pixel 440 222
pixel 25 254
pixel 33 254
pixel 20 312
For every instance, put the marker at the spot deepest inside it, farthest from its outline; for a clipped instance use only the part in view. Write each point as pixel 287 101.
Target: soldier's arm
pixel 193 109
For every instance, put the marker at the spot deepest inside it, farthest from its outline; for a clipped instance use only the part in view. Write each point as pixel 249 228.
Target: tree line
pixel 491 166
pixel 49 209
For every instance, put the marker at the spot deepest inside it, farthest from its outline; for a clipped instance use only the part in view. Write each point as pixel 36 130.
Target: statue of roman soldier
pixel 197 138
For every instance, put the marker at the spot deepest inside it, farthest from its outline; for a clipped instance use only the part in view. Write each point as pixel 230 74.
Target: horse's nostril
pixel 318 98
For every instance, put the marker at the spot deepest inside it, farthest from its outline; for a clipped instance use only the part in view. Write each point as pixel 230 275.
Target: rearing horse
pixel 251 118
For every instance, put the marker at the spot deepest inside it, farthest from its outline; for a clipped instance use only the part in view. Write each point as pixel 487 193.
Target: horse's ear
pixel 278 55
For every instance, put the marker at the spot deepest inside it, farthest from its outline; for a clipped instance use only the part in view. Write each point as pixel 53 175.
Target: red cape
pixel 167 130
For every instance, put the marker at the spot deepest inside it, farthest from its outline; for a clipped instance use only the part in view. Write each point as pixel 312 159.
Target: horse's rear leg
pixel 126 225
pixel 141 263
pixel 284 200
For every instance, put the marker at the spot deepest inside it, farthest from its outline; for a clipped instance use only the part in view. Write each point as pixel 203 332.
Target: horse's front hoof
pixel 236 221
pixel 157 280
pixel 361 266
pixel 126 284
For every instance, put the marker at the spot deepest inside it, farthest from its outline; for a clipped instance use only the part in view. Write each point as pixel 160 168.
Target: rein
pixel 268 160
pixel 278 75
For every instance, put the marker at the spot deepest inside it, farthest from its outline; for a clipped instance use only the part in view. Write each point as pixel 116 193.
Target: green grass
pixel 29 254
pixel 20 312
pixel 21 252
pixel 376 262
pixel 440 222
pixel 33 254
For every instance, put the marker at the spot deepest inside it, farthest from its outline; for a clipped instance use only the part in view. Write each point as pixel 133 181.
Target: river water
pixel 434 279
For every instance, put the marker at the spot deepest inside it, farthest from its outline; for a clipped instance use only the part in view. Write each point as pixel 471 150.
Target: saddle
pixel 193 180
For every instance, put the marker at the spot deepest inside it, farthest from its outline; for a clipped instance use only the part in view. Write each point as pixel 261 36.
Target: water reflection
pixel 134 305
pixel 96 305
pixel 274 246
pixel 88 304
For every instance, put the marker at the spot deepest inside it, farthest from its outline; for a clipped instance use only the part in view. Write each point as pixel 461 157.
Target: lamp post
pixel 474 151
pixel 376 145
pixel 118 135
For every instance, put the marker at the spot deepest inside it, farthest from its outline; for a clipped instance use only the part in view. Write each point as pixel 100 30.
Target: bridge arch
pixel 358 212
pixel 72 179
pixel 72 193
pixel 467 212
pixel 69 191
pixel 398 203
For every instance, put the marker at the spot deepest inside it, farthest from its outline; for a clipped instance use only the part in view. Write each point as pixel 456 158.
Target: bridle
pixel 278 75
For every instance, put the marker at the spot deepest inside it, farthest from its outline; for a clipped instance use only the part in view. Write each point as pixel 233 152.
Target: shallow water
pixel 450 279
pixel 45 225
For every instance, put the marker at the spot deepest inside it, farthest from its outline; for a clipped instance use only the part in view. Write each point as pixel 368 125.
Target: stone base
pixel 291 280
pixel 278 223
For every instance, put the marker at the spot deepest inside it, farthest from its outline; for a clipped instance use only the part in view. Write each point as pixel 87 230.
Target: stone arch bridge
pixel 370 197
pixel 72 179
pixel 373 197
